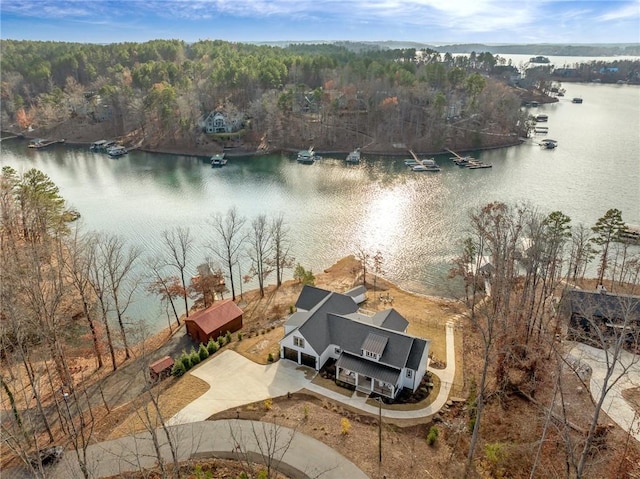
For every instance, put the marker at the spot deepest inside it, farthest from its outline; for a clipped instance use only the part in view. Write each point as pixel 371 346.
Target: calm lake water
pixel 414 219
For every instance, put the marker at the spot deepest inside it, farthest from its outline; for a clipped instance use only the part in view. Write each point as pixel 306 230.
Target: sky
pixel 434 22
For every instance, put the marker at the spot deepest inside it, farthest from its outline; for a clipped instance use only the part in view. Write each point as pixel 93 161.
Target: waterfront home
pixel 599 316
pixel 219 122
pixel 372 354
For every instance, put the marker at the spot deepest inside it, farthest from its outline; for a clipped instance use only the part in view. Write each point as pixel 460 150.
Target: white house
pixel 372 353
pixel 218 122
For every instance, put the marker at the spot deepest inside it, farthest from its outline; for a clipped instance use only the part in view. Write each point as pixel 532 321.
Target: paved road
pixel 627 374
pixel 293 453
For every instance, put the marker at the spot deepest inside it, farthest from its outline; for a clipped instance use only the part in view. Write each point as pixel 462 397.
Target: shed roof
pixel 375 343
pixel 216 316
pixel 161 364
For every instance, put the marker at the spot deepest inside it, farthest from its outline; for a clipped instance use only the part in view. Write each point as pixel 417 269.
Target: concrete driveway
pixel 626 373
pixel 235 381
pixel 291 452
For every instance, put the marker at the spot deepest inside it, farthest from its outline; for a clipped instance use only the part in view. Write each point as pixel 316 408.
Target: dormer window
pixel 373 346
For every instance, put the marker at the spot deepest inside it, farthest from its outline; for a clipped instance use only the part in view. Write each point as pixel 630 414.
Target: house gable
pixel 219 122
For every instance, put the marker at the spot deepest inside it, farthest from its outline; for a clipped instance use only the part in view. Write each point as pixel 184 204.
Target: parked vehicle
pixel 47 456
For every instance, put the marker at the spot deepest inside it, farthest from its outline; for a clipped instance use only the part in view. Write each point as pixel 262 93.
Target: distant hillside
pixel 545 49
pixel 525 49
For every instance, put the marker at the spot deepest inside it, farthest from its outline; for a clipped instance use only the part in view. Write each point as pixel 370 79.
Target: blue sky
pixel 426 21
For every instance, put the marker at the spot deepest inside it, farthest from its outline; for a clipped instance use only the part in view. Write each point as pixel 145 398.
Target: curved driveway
pixel 291 452
pixel 627 373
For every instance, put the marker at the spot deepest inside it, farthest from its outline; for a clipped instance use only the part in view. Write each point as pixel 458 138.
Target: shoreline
pixel 195 153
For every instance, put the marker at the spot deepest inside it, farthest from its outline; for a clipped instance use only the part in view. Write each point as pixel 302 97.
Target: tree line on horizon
pixel 327 93
pixel 336 96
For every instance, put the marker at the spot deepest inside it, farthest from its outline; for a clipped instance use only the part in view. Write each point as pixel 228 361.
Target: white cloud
pixel 623 12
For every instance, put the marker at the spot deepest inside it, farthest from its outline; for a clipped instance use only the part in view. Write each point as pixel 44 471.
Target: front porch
pixel 366 376
pixel 365 384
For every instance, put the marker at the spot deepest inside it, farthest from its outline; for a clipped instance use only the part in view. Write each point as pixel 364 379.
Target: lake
pixel 415 219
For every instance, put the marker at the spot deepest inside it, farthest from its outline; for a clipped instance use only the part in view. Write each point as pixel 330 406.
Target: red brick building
pixel 214 321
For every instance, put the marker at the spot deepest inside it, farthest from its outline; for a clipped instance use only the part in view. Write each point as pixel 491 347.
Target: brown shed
pixel 215 321
pixel 161 368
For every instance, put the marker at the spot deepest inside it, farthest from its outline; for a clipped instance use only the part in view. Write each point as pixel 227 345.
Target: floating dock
pixel 41 143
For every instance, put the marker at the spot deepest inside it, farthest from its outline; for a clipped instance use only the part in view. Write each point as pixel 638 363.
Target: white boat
pixel 307 156
pixel 410 162
pixel 218 160
pixel 542 118
pixel 116 151
pixel 576 100
pixel 428 164
pixel 354 156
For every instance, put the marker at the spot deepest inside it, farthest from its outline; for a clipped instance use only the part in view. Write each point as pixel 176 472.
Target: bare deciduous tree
pixel 260 250
pixel 179 244
pixel 282 258
pixel 230 231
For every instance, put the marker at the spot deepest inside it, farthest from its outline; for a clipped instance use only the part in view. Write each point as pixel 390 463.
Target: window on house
pixel 409 373
pixel 369 354
pixel 299 342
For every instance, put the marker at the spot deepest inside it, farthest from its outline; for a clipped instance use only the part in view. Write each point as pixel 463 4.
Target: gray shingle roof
pixel 297 319
pixel 311 296
pixel 390 319
pixel 605 305
pixel 415 355
pixel 325 329
pixel 368 368
pixel 357 291
pixel 334 320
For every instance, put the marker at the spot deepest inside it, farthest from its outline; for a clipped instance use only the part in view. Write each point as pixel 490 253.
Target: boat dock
pixel 468 161
pixel 42 143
